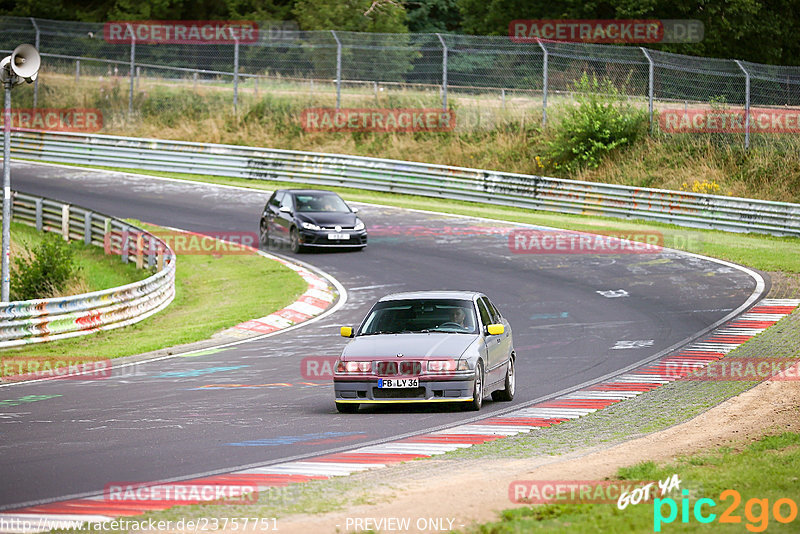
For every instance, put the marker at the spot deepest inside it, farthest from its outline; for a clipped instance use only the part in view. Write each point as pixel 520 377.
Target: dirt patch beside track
pixel 476 490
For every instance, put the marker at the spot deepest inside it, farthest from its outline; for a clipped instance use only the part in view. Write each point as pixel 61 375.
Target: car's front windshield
pixel 421 316
pixel 320 202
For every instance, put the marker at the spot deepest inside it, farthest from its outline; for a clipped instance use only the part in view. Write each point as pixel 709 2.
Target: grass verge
pixel 212 293
pixel 764 470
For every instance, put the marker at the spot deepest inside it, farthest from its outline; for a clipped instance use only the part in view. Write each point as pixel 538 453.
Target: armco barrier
pixel 509 189
pixel 33 321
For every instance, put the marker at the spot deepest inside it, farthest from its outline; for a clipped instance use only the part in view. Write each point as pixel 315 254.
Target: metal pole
pixel 235 74
pixel 338 70
pixel 444 71
pixel 133 61
pixel 650 82
pixel 4 291
pixel 77 70
pixel 746 105
pixel 36 81
pixel 544 83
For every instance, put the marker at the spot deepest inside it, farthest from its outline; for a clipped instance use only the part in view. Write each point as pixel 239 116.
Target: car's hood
pixel 328 219
pixel 411 346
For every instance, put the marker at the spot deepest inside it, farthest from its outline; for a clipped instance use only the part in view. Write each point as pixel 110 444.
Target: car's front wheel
pixel 263 234
pixel 347 407
pixel 477 392
pixel 507 394
pixel 294 241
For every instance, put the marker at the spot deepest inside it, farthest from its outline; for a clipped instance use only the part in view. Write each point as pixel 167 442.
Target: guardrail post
pixel 139 250
pixel 87 228
pixel 36 81
pixel 746 104
pixel 65 222
pixel 123 244
pixel 338 70
pixel 650 83
pixel 151 257
pixel 544 82
pixel 444 71
pixel 235 75
pixel 107 244
pixel 39 223
pixel 133 65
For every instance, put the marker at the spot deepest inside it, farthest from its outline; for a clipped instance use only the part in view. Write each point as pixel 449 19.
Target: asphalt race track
pixel 157 421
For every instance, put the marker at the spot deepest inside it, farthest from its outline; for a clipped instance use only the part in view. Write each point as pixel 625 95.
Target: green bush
pixel 596 125
pixel 46 272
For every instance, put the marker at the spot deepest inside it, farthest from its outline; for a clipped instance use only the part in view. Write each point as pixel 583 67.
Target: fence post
pixel 650 83
pixel 444 71
pixel 65 221
pixel 77 70
pixel 338 69
pixel 235 75
pixel 544 83
pixel 39 222
pixel 36 81
pixel 746 104
pixel 133 65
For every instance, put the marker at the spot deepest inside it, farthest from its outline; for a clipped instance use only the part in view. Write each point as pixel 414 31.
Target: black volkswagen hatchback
pixel 310 218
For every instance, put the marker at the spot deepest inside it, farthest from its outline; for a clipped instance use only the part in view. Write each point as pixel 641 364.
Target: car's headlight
pixel 353 367
pixel 359 225
pixel 445 366
pixel 310 226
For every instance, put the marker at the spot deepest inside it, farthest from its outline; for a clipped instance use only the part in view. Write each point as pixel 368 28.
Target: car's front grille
pixel 398 393
pixel 403 368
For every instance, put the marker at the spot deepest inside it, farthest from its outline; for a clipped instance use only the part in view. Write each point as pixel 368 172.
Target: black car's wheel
pixel 263 234
pixel 347 407
pixel 477 392
pixel 294 241
pixel 507 394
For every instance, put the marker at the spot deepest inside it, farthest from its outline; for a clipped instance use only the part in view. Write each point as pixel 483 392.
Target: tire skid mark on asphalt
pixel 710 348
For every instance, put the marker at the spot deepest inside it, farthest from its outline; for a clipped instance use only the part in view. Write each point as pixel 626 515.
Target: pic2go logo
pixel 756 511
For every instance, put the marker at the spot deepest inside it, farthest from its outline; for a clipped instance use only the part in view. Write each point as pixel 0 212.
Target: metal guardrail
pixel 34 321
pixel 439 181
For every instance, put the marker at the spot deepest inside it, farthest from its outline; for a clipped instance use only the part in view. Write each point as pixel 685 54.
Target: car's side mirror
pixel 495 329
pixel 346 331
pixel 285 209
pixel 354 210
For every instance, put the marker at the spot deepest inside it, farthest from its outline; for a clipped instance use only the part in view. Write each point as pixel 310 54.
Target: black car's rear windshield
pixel 327 202
pixel 421 315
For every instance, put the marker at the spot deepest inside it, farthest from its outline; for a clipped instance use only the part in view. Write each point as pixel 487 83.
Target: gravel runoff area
pixel 472 484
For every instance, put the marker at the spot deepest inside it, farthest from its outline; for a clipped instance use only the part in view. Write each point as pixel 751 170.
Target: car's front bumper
pixel 366 391
pixel 319 238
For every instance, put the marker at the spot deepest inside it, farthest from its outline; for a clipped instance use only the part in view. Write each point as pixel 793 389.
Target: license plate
pixel 338 236
pixel 398 382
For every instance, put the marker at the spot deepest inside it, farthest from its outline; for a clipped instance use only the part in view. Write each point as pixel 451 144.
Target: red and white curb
pixel 710 348
pixel 317 298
